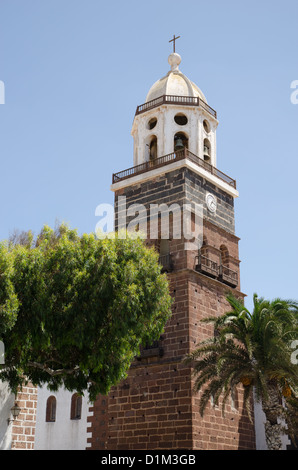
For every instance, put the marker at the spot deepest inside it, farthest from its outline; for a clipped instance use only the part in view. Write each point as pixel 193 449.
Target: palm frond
pixel 254 346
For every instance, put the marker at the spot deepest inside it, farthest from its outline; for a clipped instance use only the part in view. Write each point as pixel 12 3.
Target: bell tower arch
pixel 175 105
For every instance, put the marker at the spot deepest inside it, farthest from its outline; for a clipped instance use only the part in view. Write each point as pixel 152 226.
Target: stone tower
pixel 174 162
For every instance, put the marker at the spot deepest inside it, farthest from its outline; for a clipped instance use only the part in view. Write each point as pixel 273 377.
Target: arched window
pixel 151 148
pixel 76 406
pixel 207 259
pixel 51 409
pixel 224 255
pixel 228 275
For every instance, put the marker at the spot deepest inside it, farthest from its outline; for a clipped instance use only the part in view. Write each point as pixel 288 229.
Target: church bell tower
pixel 174 162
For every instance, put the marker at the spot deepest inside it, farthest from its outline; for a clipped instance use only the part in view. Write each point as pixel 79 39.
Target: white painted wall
pixel 64 433
pixel 166 128
pixel 6 403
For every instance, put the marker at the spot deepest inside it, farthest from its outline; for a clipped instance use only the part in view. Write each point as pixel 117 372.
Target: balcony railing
pixel 228 276
pixel 210 268
pixel 173 99
pixel 170 158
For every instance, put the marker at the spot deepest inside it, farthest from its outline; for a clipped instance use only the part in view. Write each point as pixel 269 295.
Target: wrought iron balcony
pixel 217 271
pixel 170 158
pixel 207 266
pixel 166 263
pixel 228 276
pixel 173 99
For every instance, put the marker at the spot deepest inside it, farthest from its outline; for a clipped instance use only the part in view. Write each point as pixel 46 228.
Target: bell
pixel 206 150
pixel 179 144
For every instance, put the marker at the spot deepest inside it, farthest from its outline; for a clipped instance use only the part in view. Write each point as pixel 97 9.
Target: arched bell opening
pixel 76 406
pixel 207 150
pixel 180 141
pixel 151 149
pixel 228 271
pixel 51 409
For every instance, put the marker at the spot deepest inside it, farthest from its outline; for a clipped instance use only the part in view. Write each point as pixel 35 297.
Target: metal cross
pixel 173 41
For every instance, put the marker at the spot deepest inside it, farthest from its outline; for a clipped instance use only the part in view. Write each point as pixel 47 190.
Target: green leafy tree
pixel 74 310
pixel 252 349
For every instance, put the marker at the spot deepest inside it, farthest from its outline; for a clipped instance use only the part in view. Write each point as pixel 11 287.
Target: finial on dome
pixel 174 60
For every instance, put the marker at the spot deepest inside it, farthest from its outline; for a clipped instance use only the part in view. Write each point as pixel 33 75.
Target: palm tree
pixel 252 349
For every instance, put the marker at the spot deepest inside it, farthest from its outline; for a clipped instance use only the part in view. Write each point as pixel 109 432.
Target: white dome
pixel 174 83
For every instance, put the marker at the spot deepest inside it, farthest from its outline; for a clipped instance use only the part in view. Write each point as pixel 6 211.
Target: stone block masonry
pixel 155 407
pixel 181 186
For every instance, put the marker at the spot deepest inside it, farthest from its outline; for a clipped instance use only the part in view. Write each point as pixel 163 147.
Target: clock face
pixel 211 202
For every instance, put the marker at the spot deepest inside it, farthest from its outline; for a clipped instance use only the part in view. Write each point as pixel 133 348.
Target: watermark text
pixel 158 221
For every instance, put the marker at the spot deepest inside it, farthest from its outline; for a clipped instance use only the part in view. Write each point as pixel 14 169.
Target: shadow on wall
pixel 246 430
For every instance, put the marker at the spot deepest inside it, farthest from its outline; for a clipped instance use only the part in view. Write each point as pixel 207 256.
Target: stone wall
pixel 181 186
pixel 23 427
pixel 155 407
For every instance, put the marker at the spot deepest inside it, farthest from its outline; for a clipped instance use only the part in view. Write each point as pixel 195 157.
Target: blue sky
pixel 74 72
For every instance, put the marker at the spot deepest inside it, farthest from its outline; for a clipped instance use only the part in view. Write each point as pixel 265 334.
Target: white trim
pixel 174 166
pixel 89 425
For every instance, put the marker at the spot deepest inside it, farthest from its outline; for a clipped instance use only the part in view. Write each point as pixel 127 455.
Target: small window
pixel 51 409
pixel 206 126
pixel 152 123
pixel 76 407
pixel 153 149
pixel 224 254
pixel 181 119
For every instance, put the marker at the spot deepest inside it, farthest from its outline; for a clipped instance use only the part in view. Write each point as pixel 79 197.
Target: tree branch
pixel 52 372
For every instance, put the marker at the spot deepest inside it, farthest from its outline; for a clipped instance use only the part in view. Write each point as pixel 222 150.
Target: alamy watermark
pixel 2 92
pixel 160 221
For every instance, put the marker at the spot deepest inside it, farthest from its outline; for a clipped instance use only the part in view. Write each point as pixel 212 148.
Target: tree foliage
pixel 74 310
